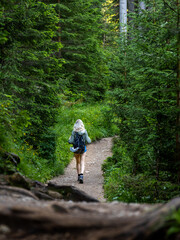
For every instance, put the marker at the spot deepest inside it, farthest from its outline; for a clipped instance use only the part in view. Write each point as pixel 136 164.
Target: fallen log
pixel 58 221
pixel 17 190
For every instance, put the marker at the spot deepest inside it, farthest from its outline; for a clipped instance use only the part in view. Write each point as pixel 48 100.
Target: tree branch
pixel 165 3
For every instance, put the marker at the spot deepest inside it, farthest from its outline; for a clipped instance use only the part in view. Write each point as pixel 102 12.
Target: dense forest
pixel 114 64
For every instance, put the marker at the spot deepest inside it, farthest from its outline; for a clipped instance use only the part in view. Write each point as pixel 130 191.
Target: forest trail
pixel 97 152
pixel 64 209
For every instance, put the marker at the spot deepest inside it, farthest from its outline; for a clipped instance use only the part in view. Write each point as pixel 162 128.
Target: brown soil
pixel 97 152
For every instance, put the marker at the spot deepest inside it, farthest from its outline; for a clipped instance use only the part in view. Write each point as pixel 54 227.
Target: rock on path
pixel 97 152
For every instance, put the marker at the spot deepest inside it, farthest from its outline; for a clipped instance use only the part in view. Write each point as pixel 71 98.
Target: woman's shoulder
pixel 85 132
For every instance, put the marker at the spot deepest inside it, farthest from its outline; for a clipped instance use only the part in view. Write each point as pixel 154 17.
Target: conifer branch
pixel 165 3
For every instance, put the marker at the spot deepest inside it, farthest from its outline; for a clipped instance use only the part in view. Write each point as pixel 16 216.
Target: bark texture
pixel 23 215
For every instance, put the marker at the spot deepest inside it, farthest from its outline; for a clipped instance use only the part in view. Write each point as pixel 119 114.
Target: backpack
pixel 79 143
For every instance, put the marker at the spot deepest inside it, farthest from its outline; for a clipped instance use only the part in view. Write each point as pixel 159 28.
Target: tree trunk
pixel 123 15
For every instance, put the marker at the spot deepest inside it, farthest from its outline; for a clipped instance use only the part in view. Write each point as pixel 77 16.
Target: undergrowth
pixel 97 121
pixel 122 183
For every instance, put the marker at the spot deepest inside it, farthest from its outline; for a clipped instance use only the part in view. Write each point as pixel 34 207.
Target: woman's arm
pixel 88 140
pixel 71 139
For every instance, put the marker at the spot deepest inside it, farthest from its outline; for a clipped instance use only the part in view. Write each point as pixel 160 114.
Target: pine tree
pixel 144 100
pixel 30 69
pixel 82 39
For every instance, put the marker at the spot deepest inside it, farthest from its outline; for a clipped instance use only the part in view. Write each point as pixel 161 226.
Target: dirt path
pixel 40 211
pixel 97 152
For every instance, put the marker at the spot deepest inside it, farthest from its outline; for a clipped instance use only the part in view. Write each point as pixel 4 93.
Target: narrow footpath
pixel 97 152
pixel 63 209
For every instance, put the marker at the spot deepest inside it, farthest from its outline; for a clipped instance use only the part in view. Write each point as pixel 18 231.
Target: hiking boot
pixel 78 178
pixel 81 179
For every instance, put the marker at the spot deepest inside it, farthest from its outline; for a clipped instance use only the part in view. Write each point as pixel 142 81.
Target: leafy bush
pixel 173 224
pixel 140 188
pixel 123 184
pixel 35 167
pixel 30 70
pixel 143 92
pixel 12 121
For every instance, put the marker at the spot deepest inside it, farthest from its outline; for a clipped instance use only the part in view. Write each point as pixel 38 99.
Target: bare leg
pixel 78 161
pixel 82 163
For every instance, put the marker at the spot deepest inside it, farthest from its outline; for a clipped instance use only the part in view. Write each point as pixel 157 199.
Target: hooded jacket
pixel 83 133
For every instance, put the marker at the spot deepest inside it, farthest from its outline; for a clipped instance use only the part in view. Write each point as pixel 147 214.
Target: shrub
pixel 123 184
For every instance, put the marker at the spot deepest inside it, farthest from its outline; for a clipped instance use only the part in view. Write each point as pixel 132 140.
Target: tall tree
pixel 30 69
pixel 82 38
pixel 123 15
pixel 145 101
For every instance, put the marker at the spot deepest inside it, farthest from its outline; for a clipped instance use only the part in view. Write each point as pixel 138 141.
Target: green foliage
pixel 82 33
pixel 96 123
pixel 12 121
pixel 52 53
pixel 35 167
pixel 143 93
pixel 32 79
pixel 174 223
pixel 30 71
pixel 94 119
pixel 122 183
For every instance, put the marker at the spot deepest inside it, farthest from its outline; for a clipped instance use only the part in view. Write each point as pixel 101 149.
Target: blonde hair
pixel 79 126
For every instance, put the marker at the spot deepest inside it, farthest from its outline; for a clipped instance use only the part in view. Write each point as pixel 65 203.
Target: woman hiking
pixel 78 138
